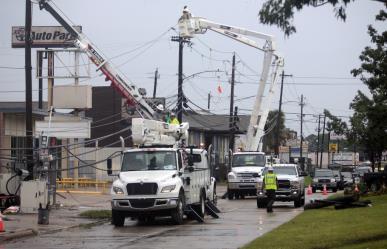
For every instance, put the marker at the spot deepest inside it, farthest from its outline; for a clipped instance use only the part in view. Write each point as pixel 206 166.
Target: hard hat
pixel 160 107
pixel 270 169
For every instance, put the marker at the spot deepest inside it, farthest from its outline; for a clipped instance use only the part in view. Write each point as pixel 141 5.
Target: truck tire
pixel 261 204
pixel 200 209
pixel 118 219
pixel 298 202
pixel 230 195
pixel 178 213
pixel 313 190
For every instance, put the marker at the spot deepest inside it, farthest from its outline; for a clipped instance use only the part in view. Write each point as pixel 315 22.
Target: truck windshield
pixel 248 160
pixel 149 160
pixel 283 170
pixel 323 173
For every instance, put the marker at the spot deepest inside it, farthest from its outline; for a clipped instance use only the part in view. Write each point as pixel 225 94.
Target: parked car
pixel 347 178
pixel 339 179
pixel 358 173
pixel 324 177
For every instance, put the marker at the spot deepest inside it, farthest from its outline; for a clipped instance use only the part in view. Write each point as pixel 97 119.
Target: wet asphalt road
pixel 240 222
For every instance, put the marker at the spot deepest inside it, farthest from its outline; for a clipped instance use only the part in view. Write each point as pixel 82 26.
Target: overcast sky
pixel 320 55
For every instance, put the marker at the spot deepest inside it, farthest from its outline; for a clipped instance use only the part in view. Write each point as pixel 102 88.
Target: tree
pixel 269 139
pixel 281 12
pixel 369 121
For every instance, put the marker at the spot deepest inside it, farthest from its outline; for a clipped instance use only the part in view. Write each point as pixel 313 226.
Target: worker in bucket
pixel 270 185
pixel 173 119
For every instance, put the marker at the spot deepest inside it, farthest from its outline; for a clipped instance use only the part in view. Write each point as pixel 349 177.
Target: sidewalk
pixel 65 216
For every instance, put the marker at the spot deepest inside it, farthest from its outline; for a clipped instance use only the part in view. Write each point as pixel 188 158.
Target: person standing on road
pixel 270 185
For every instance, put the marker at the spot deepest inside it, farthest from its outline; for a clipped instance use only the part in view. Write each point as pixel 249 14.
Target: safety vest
pixel 270 181
pixel 175 121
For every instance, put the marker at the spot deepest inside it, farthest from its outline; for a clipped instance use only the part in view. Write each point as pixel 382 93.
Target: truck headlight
pixel 315 180
pixel 231 176
pixel 333 180
pixel 118 190
pixel 167 189
pixel 259 185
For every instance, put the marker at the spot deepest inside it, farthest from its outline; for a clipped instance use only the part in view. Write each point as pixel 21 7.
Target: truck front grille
pixel 142 203
pixel 148 188
pixel 324 180
pixel 284 184
pixel 245 175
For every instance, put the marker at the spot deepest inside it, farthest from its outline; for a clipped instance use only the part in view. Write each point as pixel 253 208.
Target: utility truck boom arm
pixel 128 91
pixel 189 26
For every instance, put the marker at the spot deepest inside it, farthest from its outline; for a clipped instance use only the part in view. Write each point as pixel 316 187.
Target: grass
pixel 329 228
pixel 96 214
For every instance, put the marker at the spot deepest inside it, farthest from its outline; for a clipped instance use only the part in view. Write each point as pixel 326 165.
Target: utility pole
pixel 28 83
pixel 231 119
pixel 322 143
pixel 155 82
pixel 277 138
pixel 180 96
pixel 209 101
pixel 301 136
pixel 318 139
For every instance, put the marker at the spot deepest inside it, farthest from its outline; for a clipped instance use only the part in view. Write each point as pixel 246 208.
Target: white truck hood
pixel 283 177
pixel 147 176
pixel 247 169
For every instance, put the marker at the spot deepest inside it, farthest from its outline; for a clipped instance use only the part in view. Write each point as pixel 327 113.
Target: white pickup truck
pixel 159 182
pixel 290 185
pixel 246 167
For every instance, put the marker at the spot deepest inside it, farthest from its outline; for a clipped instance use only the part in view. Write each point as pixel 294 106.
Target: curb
pixel 22 233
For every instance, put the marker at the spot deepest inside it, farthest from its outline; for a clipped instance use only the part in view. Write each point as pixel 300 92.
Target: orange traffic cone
pixel 325 190
pixel 309 192
pixel 2 226
pixel 356 189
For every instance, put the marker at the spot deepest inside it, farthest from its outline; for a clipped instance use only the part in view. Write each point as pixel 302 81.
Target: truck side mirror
pixel 109 166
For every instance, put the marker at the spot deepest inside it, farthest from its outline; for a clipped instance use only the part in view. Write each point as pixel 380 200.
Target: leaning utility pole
pixel 277 138
pixel 301 136
pixel 231 119
pixel 322 143
pixel 28 75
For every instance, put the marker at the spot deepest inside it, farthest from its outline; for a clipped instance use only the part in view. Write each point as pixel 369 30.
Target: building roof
pixel 20 107
pixel 214 122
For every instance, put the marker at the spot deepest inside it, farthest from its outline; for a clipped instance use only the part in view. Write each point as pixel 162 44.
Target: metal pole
pixel 322 143
pixel 301 136
pixel 277 141
pixel 231 118
pixel 28 83
pixel 209 101
pixel 318 139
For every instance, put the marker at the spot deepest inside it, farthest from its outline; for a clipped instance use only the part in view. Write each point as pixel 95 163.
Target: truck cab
pixel 246 168
pixel 160 182
pixel 290 185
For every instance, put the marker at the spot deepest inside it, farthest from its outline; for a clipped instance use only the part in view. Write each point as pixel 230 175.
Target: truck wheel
pixel 298 202
pixel 313 190
pixel 178 212
pixel 201 208
pixel 118 219
pixel 261 204
pixel 230 195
